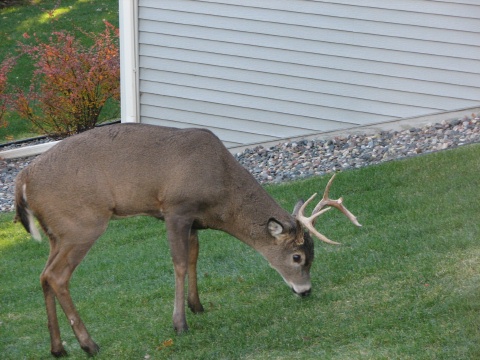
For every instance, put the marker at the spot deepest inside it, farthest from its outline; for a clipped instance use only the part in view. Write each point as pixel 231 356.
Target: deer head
pixel 294 259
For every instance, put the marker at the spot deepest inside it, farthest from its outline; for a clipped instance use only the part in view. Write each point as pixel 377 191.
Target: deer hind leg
pixel 193 298
pixel 64 257
pixel 178 233
pixel 56 348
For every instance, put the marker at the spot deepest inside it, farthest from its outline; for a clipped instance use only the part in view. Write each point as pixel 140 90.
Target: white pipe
pixel 128 61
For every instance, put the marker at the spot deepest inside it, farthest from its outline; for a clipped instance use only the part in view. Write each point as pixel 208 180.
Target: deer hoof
pixel 181 329
pixel 92 349
pixel 196 308
pixel 59 353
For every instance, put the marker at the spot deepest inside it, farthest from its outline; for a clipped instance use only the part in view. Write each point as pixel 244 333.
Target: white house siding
pixel 255 71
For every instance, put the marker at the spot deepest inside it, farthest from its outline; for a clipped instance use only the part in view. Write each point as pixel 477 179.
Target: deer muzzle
pixel 304 293
pixel 301 290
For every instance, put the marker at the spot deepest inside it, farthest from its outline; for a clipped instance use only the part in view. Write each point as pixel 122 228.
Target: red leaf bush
pixel 5 97
pixel 71 82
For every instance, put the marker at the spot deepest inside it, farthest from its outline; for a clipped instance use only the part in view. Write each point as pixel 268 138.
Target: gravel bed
pixel 300 159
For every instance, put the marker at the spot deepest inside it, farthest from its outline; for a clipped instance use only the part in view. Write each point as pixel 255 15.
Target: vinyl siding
pixel 255 71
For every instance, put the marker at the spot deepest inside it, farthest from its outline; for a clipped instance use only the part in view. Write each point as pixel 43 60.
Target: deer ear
pixel 283 233
pixel 275 228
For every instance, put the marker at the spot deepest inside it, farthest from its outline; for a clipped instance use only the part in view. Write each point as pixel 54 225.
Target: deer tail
pixel 24 214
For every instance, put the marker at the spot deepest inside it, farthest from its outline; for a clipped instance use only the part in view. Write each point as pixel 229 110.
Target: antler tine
pixel 309 221
pixel 326 201
pixel 325 198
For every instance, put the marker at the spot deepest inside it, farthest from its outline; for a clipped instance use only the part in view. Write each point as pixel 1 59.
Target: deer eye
pixel 297 258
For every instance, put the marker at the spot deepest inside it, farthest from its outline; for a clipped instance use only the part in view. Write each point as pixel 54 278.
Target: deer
pixel 185 177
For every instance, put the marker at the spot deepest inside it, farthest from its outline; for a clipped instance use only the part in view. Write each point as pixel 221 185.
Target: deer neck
pixel 251 208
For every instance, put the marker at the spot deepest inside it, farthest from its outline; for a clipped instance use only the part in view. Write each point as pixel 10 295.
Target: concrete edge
pixel 39 148
pixel 27 150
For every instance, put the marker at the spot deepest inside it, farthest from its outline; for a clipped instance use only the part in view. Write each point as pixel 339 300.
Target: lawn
pixel 70 15
pixel 404 286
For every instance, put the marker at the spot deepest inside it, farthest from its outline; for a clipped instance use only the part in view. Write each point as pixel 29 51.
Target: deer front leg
pixel 193 299
pixel 178 233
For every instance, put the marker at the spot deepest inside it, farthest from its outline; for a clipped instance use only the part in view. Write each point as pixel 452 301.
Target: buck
pixel 186 178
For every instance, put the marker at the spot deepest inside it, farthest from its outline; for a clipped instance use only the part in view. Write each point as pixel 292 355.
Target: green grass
pixel 71 14
pixel 405 286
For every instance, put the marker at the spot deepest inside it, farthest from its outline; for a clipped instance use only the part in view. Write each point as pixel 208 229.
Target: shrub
pixel 5 97
pixel 71 82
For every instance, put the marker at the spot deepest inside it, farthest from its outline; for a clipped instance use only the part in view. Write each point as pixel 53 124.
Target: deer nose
pixel 304 293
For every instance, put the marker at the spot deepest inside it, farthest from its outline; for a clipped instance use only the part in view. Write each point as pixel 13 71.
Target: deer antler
pixel 309 222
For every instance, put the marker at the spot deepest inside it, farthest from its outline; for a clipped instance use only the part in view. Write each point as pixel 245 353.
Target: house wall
pixel 255 71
